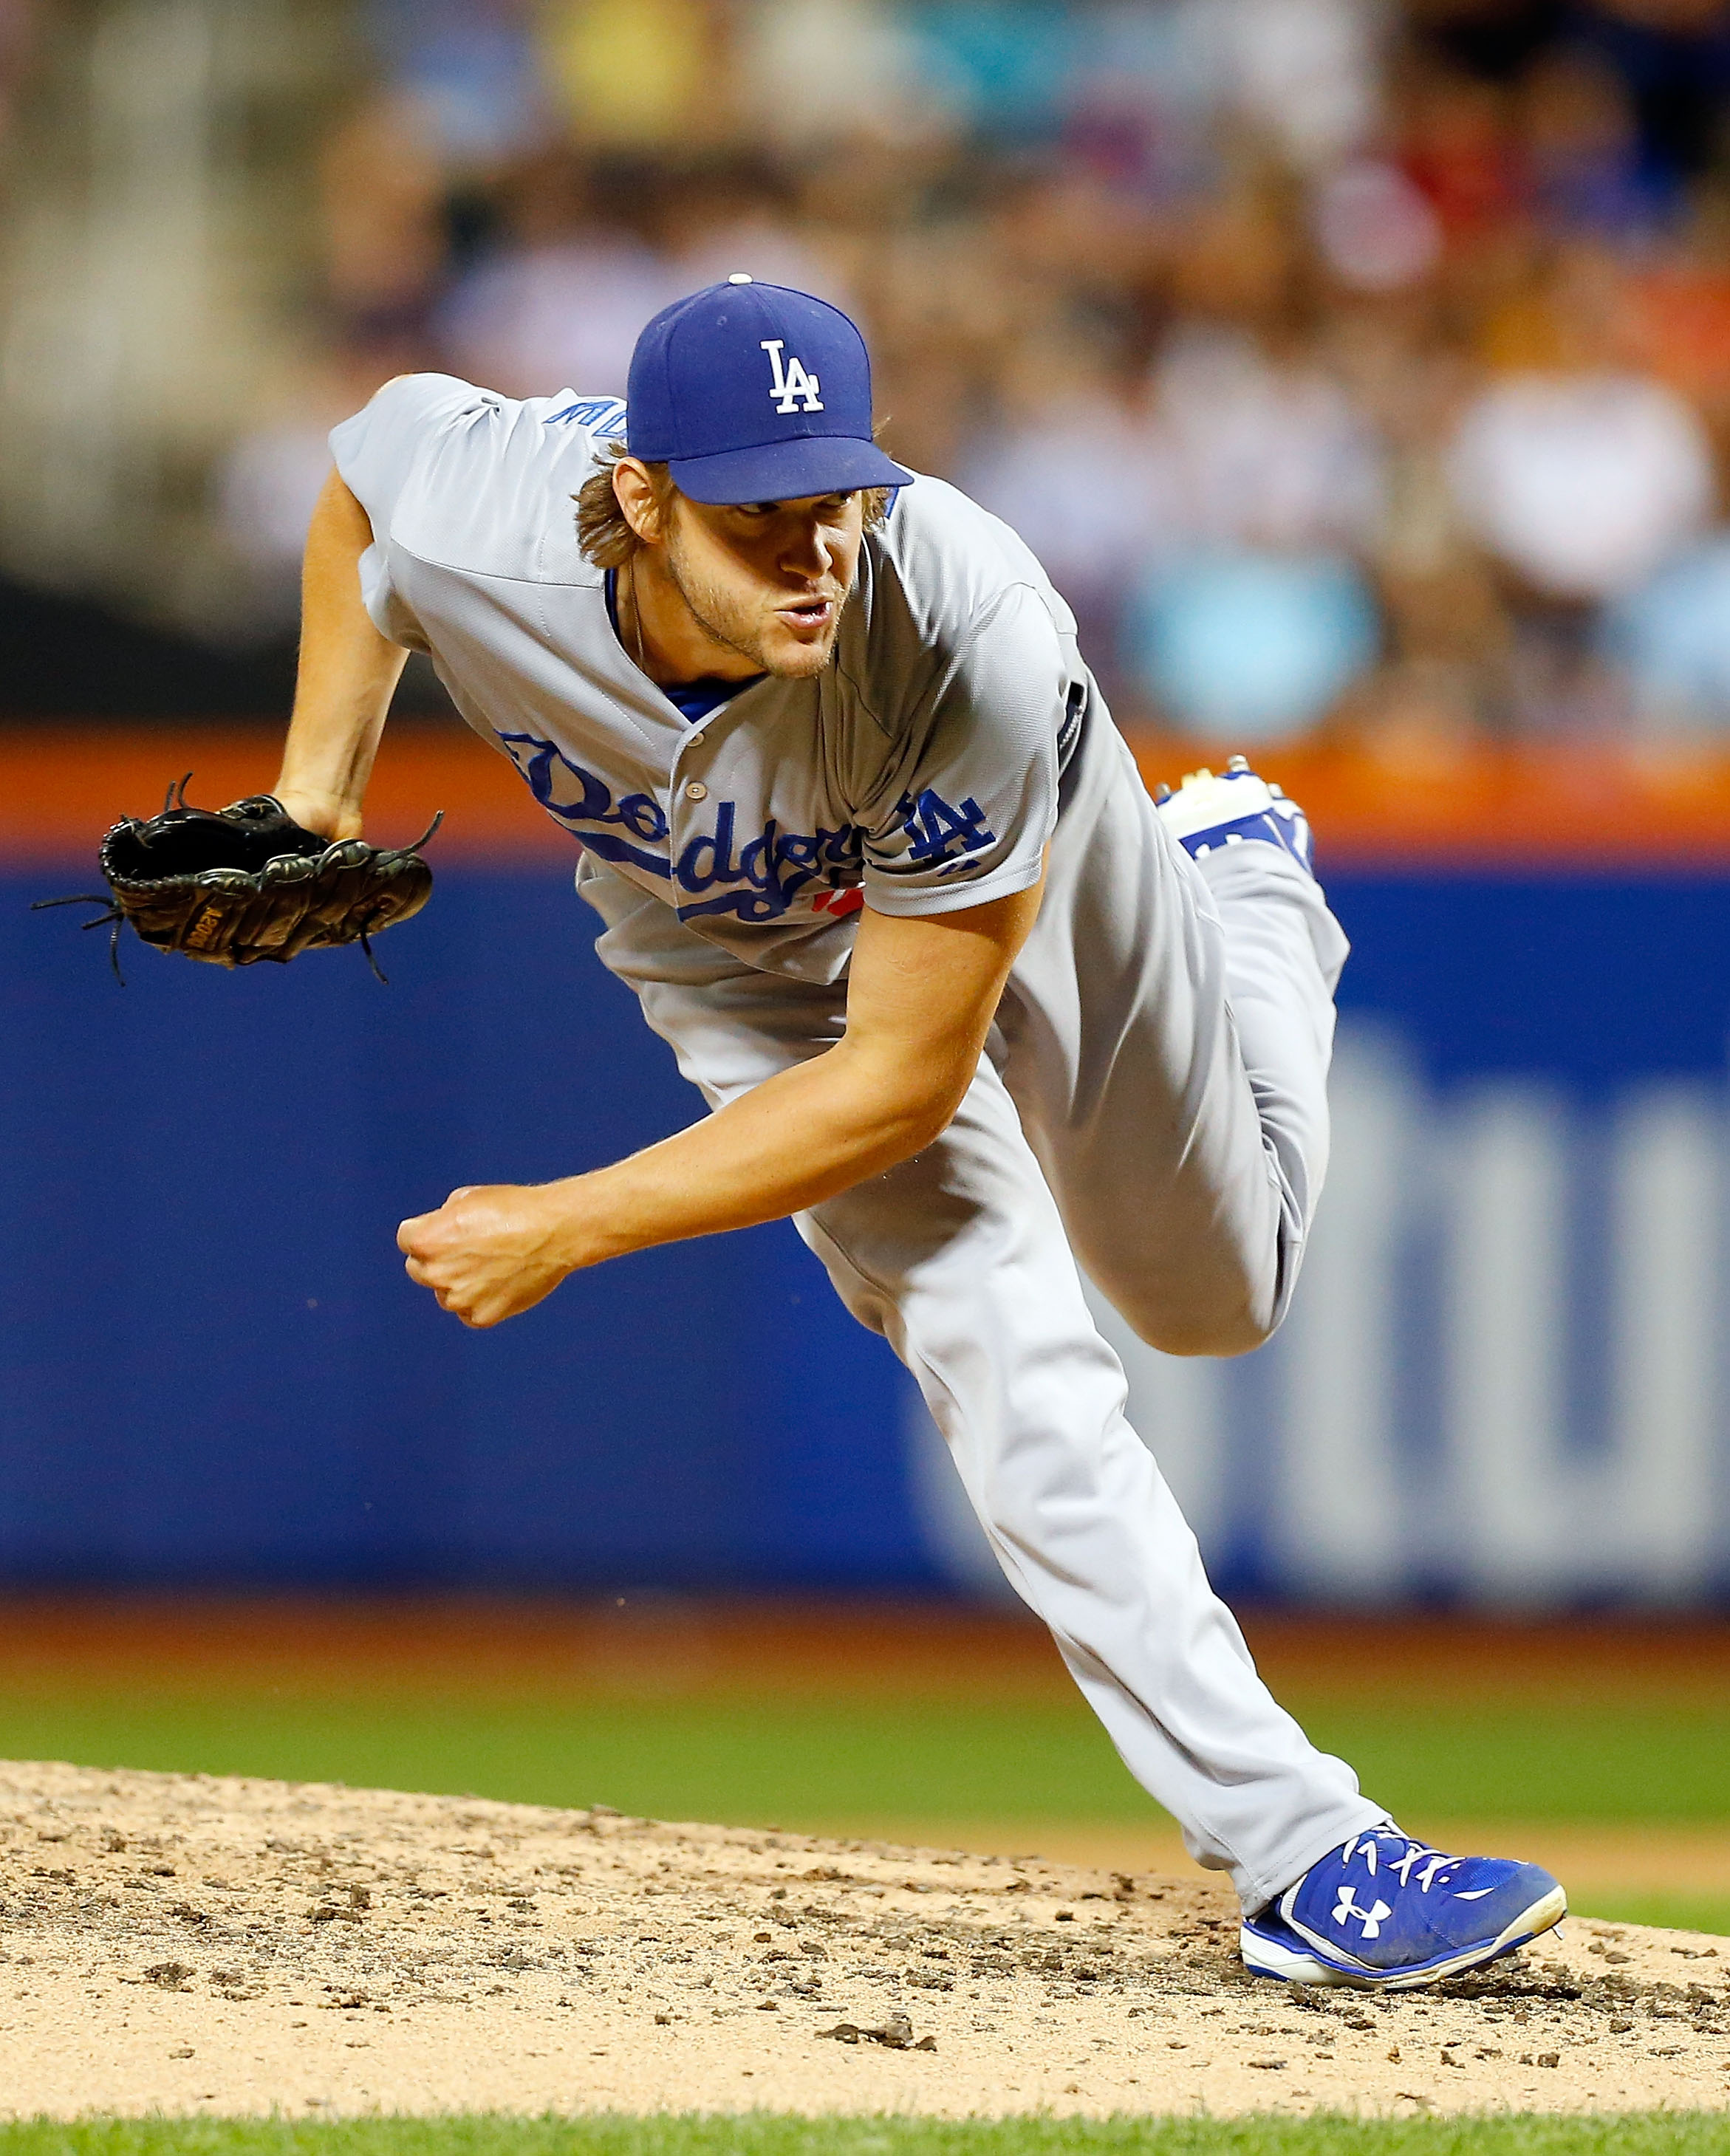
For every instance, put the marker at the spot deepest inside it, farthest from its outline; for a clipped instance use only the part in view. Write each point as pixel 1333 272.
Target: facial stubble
pixel 719 616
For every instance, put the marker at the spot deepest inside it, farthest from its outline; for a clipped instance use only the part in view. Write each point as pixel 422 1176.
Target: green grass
pixel 798 1763
pixel 1680 1912
pixel 1601 1763
pixel 823 1763
pixel 736 1761
pixel 765 2134
pixel 839 1764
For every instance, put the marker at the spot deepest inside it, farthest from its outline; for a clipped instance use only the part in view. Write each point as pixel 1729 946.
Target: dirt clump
pixel 185 1944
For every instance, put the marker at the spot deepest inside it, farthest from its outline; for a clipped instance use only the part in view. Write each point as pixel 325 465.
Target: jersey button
pixel 696 791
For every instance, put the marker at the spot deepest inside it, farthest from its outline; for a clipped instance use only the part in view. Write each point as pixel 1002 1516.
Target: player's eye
pixel 827 505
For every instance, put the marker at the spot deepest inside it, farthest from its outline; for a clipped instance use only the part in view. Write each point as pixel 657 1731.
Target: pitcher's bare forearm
pixel 921 1000
pixel 348 672
pixel 804 1135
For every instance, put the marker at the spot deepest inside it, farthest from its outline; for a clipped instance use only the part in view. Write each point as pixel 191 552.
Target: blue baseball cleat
pixel 1385 1913
pixel 1210 810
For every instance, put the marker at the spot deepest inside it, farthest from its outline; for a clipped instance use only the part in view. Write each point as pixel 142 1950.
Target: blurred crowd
pixel 1349 369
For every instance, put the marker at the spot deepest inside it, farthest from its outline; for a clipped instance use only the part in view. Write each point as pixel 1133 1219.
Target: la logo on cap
pixel 795 382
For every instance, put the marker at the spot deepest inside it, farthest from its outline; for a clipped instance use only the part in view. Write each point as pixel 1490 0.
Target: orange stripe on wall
pixel 61 787
pixel 1512 808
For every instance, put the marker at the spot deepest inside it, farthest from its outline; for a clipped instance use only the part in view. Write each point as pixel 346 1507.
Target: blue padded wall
pixel 213 1372
pixel 213 1368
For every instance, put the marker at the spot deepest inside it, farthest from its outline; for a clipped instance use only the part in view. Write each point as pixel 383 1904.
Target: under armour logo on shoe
pixel 793 383
pixel 1370 1918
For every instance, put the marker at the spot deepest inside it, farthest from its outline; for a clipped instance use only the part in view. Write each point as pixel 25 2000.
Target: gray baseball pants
pixel 1151 1102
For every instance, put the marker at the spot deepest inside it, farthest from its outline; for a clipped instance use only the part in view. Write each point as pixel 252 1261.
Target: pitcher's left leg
pixel 1284 952
pixel 1185 1145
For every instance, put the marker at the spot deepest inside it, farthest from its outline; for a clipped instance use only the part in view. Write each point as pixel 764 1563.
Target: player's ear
pixel 639 499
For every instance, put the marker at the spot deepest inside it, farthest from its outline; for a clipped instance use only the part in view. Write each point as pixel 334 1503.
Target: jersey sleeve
pixel 376 453
pixel 970 804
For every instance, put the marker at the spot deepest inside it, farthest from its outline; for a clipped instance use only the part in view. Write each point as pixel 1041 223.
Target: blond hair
pixel 604 532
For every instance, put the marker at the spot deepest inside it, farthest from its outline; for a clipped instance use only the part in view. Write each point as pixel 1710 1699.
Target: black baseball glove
pixel 235 885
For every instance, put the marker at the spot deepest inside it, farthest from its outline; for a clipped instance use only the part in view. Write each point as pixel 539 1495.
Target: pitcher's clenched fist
pixel 492 1249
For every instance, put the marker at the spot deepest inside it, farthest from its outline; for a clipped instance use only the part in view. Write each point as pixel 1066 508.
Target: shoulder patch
pixel 943 833
pixel 601 415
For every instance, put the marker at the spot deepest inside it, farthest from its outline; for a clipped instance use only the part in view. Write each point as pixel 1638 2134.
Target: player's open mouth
pixel 810 615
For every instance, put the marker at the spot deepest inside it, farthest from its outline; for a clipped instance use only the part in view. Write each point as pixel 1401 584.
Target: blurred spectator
pixel 1251 646
pixel 1259 630
pixel 1673 58
pixel 559 307
pixel 1671 638
pixel 1238 262
pixel 1376 230
pixel 1447 629
pixel 1581 474
pixel 1582 483
pixel 1267 452
pixel 811 72
pixel 1679 327
pixel 1141 83
pixel 1088 480
pixel 637 75
pixel 1140 95
pixel 999 67
pixel 723 214
pixel 266 491
pixel 1460 151
pixel 1582 148
pixel 382 195
pixel 1302 71
pixel 469 67
pixel 266 487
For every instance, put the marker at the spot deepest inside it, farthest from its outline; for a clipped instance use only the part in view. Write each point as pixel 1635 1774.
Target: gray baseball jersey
pixel 919 771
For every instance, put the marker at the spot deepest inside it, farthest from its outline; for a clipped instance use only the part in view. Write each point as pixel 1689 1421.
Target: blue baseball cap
pixel 752 392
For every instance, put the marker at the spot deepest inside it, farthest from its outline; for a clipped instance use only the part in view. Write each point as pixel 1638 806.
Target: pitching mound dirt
pixel 183 1944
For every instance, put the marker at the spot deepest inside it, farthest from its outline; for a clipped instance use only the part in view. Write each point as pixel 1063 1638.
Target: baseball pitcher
pixel 965 1003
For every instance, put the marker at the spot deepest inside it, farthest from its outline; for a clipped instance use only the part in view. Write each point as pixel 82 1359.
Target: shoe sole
pixel 1291 1965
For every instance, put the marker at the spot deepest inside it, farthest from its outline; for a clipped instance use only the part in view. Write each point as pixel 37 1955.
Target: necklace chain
pixel 637 619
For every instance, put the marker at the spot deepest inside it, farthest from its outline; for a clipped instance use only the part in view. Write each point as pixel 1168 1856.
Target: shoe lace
pixel 1429 1864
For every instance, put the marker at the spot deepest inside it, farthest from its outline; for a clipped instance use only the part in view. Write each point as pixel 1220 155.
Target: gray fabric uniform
pixel 1152 1098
